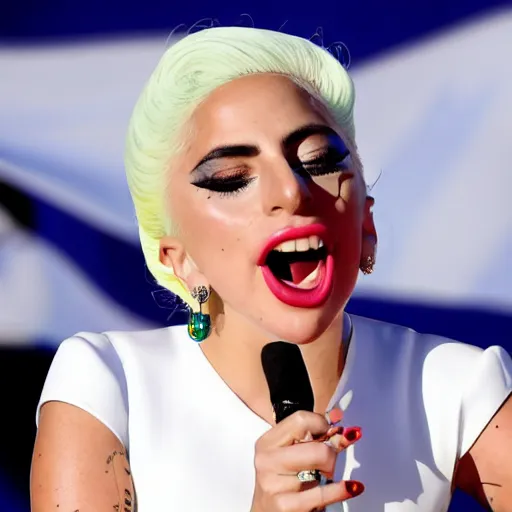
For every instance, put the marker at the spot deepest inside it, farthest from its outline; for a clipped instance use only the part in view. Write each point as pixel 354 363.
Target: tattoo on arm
pixel 117 464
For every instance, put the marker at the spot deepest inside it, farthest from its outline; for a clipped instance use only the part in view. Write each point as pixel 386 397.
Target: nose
pixel 286 190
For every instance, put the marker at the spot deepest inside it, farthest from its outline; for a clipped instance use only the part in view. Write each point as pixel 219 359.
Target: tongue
pixel 301 269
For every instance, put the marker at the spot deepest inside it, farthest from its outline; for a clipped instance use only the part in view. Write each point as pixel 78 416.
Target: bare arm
pixel 485 472
pixel 78 464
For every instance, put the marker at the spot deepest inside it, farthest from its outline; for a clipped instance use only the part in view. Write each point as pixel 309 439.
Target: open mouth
pixel 297 266
pixel 298 262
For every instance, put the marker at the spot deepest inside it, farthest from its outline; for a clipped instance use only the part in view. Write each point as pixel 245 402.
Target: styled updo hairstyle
pixel 187 73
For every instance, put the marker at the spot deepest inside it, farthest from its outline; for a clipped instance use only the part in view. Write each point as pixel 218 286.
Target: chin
pixel 301 311
pixel 302 326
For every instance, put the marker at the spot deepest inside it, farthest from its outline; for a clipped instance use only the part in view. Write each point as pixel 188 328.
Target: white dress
pixel 421 401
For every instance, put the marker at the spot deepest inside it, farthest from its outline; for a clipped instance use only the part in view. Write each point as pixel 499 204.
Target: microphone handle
pixel 286 408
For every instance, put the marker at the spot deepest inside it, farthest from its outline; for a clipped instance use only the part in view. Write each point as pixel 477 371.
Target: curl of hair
pixel 187 73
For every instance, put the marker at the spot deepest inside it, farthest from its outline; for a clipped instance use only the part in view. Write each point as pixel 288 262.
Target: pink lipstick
pixel 295 289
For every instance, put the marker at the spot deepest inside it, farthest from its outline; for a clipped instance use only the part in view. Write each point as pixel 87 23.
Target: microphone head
pixel 287 378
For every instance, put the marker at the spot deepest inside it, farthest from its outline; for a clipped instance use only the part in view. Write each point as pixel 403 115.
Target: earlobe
pixel 174 256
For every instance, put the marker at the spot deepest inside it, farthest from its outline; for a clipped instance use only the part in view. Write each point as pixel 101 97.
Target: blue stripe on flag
pixel 367 27
pixel 115 266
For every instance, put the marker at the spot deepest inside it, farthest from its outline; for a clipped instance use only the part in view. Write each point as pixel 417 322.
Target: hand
pixel 290 447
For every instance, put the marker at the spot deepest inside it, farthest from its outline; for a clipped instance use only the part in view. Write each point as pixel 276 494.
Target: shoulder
pixel 445 366
pixel 113 350
pixel 438 356
pixel 117 348
pixel 95 371
pixel 460 386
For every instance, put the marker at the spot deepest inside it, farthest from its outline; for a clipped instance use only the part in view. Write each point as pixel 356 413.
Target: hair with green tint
pixel 187 73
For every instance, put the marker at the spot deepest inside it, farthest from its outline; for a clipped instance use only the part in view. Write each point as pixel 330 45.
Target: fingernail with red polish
pixel 352 434
pixel 335 415
pixel 354 488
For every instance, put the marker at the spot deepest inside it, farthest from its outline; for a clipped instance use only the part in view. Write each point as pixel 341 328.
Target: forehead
pixel 260 106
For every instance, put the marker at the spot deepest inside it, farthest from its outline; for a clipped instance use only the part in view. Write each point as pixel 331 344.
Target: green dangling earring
pixel 199 323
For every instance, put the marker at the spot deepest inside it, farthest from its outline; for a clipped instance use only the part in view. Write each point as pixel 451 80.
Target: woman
pixel 252 207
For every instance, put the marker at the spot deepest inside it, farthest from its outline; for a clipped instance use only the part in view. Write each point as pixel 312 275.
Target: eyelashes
pixel 329 162
pixel 226 185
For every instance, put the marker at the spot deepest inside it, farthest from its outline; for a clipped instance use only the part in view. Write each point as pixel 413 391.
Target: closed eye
pixel 230 184
pixel 329 162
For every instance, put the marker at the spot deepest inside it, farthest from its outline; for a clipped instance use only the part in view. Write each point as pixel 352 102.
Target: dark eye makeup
pixel 233 183
pixel 328 161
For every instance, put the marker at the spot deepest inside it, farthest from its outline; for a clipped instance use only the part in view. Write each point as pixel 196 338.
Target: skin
pixel 78 464
pixel 485 472
pixel 219 242
pixel 222 237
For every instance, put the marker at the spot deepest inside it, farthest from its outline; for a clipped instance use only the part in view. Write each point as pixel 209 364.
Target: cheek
pixel 231 275
pixel 217 232
pixel 349 222
pixel 329 185
pixel 219 247
pixel 227 213
pixel 351 200
pixel 207 220
pixel 214 244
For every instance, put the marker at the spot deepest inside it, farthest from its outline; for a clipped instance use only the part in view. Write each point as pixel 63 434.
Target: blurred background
pixel 434 109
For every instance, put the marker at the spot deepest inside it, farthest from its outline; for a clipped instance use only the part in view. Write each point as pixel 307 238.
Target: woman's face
pixel 270 208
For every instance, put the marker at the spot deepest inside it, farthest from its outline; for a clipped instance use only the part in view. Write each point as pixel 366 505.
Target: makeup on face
pixel 298 266
pixel 219 172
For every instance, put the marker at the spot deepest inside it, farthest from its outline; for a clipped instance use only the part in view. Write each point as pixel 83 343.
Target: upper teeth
pixel 300 245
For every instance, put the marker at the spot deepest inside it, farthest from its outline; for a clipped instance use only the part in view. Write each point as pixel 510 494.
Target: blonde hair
pixel 187 73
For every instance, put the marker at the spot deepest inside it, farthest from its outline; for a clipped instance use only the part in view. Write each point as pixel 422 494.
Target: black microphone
pixel 287 379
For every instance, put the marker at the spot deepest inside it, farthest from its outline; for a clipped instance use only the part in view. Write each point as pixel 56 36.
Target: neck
pixel 234 351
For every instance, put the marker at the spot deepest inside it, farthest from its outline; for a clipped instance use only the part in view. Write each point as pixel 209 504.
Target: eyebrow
pixel 248 150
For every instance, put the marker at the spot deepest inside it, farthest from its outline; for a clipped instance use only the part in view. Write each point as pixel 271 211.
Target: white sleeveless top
pixel 421 401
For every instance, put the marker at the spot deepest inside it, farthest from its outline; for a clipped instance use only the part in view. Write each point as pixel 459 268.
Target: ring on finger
pixel 309 475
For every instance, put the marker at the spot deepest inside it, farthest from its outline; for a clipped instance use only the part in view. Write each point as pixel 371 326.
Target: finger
pixel 294 428
pixel 348 437
pixel 300 457
pixel 324 437
pixel 319 497
pixel 274 485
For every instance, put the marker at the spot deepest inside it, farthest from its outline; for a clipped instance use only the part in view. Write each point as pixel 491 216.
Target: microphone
pixel 287 379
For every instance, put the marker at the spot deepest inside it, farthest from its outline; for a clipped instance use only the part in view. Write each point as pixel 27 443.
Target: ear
pixel 369 241
pixel 368 224
pixel 174 255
